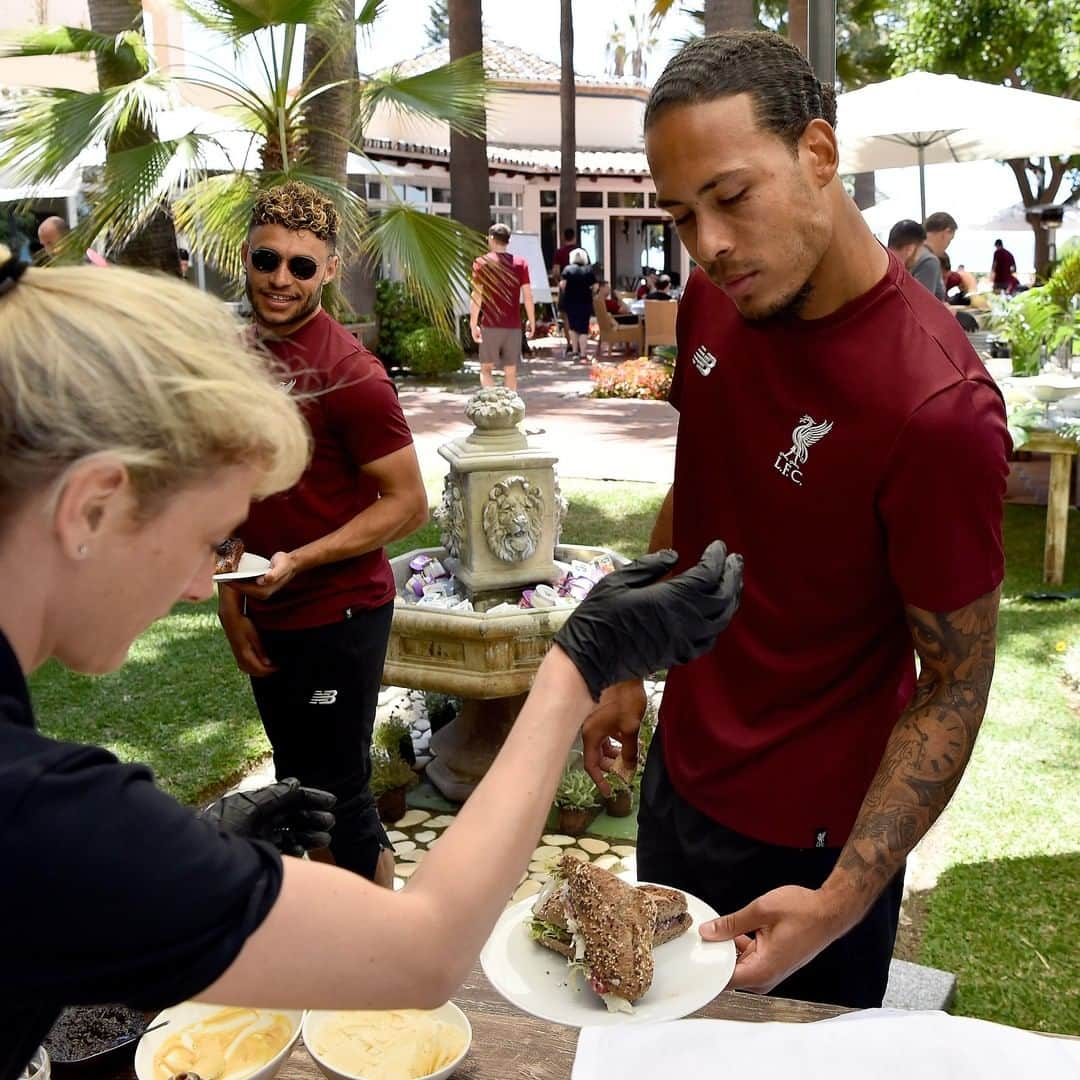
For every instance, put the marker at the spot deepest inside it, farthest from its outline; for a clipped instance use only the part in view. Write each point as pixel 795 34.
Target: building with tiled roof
pixel 618 221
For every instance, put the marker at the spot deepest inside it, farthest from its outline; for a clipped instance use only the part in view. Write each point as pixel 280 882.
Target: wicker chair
pixel 613 333
pixel 660 318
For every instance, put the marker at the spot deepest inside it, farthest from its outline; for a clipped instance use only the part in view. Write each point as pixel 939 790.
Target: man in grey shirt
pixel 940 229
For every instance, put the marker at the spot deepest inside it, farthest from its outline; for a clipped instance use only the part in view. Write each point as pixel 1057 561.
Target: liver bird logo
pixel 807 432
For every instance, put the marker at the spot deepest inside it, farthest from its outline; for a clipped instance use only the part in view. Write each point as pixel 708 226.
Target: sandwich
pixel 548 924
pixel 227 555
pixel 606 930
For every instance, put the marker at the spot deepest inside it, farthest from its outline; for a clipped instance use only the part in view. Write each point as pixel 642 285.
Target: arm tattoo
pixel 931 743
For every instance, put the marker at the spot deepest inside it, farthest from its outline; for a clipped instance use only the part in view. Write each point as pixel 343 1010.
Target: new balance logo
pixel 323 697
pixel 704 360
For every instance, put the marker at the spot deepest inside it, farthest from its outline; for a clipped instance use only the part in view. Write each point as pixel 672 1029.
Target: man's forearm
pixel 926 754
pixel 660 537
pixel 388 518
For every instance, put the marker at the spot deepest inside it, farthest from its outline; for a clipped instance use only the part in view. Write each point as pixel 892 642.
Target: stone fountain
pixel 500 519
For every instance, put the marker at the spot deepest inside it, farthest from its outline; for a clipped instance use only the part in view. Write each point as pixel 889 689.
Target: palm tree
pixel 50 128
pixel 568 111
pixel 730 15
pixel 438 25
pixel 469 198
pixel 154 245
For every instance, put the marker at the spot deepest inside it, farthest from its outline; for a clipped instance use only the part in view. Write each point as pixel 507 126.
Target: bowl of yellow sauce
pixel 396 1044
pixel 218 1042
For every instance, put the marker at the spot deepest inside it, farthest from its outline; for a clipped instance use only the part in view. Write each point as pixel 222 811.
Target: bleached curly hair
pixel 297 206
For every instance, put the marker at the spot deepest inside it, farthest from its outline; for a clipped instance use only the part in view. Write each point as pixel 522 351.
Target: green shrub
pixel 1064 283
pixel 388 734
pixel 432 351
pixel 398 315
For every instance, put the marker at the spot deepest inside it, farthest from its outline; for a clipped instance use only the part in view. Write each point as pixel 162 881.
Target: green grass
pixel 1005 915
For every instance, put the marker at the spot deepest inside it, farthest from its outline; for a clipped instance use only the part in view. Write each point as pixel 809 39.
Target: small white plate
pixel 688 973
pixel 251 566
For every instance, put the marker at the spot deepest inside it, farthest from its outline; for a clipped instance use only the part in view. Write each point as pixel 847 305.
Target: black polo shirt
pixel 111 891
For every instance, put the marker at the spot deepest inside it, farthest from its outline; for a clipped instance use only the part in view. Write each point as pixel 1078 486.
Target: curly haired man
pixel 312 631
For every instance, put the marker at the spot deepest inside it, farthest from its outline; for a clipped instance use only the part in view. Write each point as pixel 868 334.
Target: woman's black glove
pixel 292 818
pixel 632 623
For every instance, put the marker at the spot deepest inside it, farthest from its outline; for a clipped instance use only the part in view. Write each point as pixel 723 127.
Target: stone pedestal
pixel 501 510
pixel 466 747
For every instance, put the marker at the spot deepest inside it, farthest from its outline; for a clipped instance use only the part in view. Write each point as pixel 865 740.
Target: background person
pixel 576 288
pixel 50 233
pixel 906 239
pixel 312 631
pixel 662 290
pixel 647 284
pixel 501 285
pixel 798 762
pixel 561 259
pixel 615 305
pixel 1002 269
pixel 926 270
pixel 144 429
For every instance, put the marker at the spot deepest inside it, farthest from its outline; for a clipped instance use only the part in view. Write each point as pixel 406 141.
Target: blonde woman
pixel 576 290
pixel 134 431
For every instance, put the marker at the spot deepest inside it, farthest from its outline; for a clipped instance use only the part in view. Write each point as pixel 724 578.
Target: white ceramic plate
pixel 688 973
pixel 251 566
pixel 191 1012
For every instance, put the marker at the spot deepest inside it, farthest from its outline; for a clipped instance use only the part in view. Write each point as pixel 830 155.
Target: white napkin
pixel 883 1044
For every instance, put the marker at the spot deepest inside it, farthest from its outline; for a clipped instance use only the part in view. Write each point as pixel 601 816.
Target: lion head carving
pixel 513 519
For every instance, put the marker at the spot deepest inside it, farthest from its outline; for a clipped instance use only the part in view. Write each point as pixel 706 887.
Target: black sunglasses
pixel 266 261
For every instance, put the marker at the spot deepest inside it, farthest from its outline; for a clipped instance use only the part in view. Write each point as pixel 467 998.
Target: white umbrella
pixel 923 119
pixel 1013 219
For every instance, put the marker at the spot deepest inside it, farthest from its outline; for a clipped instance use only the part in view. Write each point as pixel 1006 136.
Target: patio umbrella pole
pixel 922 180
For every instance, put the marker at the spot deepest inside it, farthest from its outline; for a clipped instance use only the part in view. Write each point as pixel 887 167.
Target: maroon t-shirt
pixel 499 276
pixel 858 463
pixel 1003 265
pixel 355 419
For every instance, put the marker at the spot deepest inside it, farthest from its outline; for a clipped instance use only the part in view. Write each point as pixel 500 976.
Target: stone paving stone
pixel 546 851
pixel 539 875
pixel 439 822
pixel 529 888
pixel 394 836
pixel 593 846
pixel 624 849
pixel 558 840
pixel 539 867
pixel 412 817
pixel 425 837
pixel 404 845
pixel 405 870
pixel 413 856
pixel 577 853
pixel 607 862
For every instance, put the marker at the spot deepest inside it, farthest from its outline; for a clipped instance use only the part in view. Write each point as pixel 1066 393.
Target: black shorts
pixel 680 846
pixel 318 710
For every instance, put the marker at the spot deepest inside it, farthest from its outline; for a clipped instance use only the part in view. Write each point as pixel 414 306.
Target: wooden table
pixel 507 1044
pixel 1061 452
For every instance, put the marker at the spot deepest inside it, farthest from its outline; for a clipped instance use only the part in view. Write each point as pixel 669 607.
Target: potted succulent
pixel 391 778
pixel 577 801
pixel 392 735
pixel 620 803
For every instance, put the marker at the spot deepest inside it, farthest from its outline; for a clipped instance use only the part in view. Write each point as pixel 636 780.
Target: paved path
pixel 609 439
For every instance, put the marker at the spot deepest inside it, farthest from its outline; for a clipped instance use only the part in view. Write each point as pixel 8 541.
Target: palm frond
pixel 456 94
pixel 369 11
pixel 73 41
pixel 235 19
pixel 433 254
pixel 135 184
pixel 214 213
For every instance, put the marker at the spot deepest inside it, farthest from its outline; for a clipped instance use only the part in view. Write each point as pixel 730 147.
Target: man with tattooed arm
pixel 837 429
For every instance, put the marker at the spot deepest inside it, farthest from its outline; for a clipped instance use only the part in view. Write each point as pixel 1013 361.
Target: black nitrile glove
pixel 631 623
pixel 292 818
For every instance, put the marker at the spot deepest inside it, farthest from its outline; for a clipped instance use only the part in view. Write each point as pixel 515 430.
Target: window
pixel 652 200
pixel 590 199
pixel 549 198
pixel 506 198
pixel 374 190
pixel 410 193
pixel 626 200
pixel 440 195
